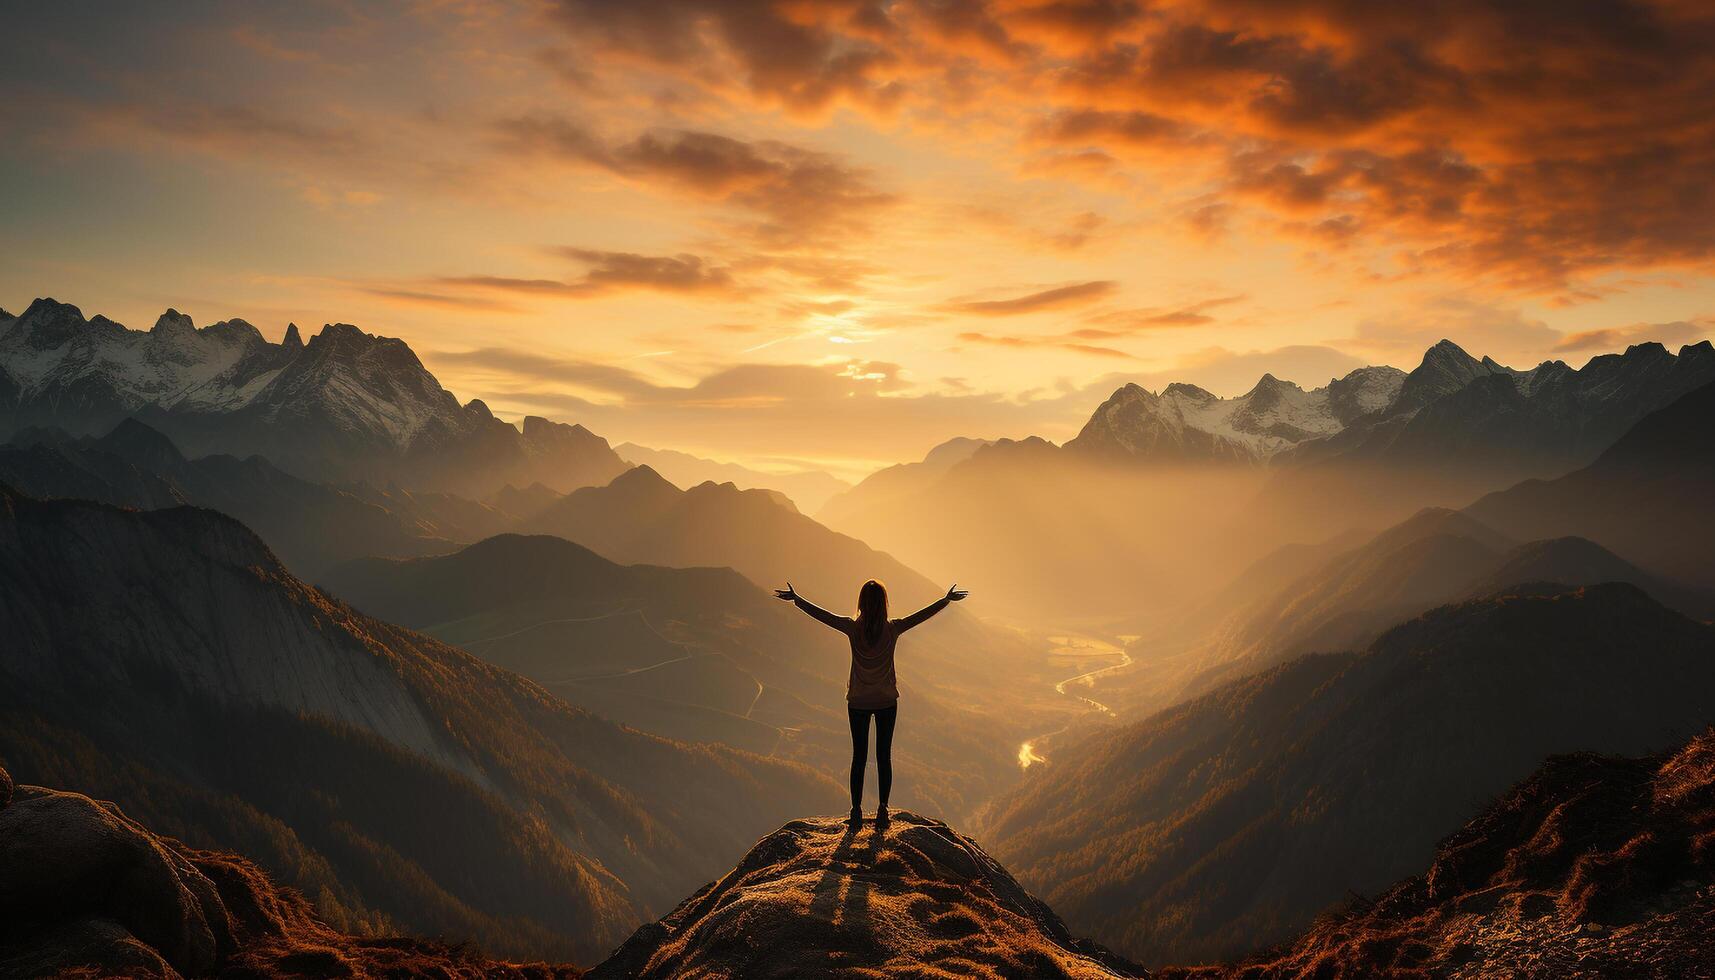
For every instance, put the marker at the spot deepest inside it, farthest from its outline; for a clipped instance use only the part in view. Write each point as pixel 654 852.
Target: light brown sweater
pixel 872 683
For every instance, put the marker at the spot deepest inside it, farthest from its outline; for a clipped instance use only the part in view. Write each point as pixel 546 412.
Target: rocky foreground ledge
pixel 1595 867
pixel 819 898
pixel 87 892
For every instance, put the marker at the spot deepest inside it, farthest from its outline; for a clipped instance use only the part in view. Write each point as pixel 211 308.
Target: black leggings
pixel 884 719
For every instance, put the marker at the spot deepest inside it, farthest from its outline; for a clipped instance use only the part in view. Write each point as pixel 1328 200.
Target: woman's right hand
pixel 786 594
pixel 956 594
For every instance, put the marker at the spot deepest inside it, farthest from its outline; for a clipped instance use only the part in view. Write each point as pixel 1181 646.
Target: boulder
pixel 67 858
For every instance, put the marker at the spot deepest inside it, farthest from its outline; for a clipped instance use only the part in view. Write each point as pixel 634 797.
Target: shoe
pixel 881 817
pixel 856 818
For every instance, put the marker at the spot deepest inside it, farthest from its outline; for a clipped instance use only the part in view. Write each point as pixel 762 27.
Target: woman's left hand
pixel 954 595
pixel 786 594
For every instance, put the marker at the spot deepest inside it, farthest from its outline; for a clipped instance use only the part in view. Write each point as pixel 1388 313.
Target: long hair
pixel 872 610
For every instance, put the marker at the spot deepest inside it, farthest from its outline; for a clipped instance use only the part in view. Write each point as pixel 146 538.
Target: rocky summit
pixel 820 898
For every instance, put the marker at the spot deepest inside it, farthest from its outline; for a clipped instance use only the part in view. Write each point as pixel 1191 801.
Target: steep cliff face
pixel 821 898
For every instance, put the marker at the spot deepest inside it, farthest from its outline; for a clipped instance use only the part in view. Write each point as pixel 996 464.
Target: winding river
pixel 1082 649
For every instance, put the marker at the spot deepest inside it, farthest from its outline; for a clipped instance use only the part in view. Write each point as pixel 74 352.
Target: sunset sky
pixel 839 232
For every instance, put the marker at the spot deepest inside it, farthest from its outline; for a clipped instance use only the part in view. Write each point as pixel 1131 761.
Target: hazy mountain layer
pixel 808 489
pixel 1080 530
pixel 1229 822
pixel 897 482
pixel 704 654
pixel 1647 497
pixel 1344 603
pixel 309 525
pixel 166 660
pixel 642 518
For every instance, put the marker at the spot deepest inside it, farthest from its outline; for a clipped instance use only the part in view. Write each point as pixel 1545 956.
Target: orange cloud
pixel 796 195
pixel 1001 340
pixel 1529 165
pixel 1057 298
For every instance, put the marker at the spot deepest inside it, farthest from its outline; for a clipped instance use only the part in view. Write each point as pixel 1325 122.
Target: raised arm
pixel 828 619
pixel 922 615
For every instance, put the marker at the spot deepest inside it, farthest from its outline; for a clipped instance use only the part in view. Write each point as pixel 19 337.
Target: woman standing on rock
pixel 871 690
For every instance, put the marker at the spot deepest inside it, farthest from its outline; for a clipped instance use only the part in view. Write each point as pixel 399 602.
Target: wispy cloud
pixel 610 272
pixel 1056 298
pixel 793 195
pixel 1618 338
pixel 1075 346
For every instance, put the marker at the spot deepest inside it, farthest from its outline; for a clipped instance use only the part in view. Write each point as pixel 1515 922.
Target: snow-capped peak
pixel 1186 421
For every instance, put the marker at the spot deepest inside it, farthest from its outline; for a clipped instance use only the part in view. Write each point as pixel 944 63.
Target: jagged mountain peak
pixel 1269 382
pixel 1649 349
pixel 1186 422
pixel 915 897
pixel 1189 391
pixel 537 427
pixel 1446 351
pixel 237 330
pixel 47 306
pixel 351 340
pixel 47 324
pixel 173 323
pixel 346 405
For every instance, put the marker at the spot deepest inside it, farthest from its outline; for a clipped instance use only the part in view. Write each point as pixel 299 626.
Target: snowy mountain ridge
pixel 1451 402
pixel 345 405
pixel 1185 421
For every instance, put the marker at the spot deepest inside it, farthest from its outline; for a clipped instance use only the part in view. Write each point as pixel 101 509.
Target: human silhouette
pixel 871 689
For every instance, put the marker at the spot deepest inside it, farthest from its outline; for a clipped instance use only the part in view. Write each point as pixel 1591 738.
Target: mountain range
pixel 537 695
pixel 1346 601
pixel 1227 823
pixel 309 525
pixel 807 489
pixel 705 655
pixel 1452 409
pixel 1646 497
pixel 345 405
pixel 1186 423
pixel 167 660
pixel 1163 496
pixel 641 518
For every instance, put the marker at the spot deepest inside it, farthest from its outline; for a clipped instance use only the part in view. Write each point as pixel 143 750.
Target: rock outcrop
pixel 1593 867
pixel 818 898
pixel 85 891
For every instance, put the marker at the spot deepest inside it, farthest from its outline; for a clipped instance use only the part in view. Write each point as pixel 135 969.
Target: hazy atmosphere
pixel 1023 489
